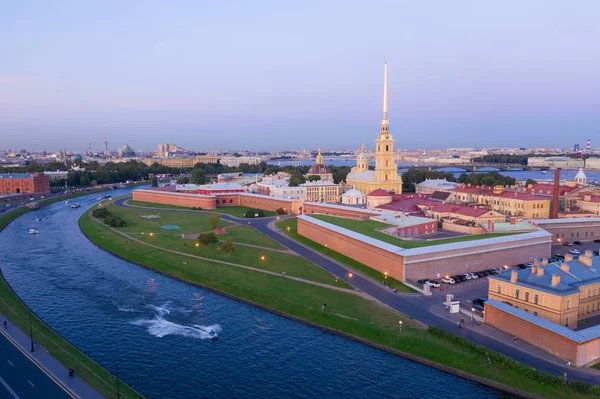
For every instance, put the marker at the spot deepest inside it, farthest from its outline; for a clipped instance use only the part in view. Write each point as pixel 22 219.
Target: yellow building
pixel 385 176
pixel 562 293
pixel 321 191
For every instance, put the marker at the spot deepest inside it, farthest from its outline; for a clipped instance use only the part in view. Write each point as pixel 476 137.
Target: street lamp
pixel 472 311
pixel 350 275
pixel 262 257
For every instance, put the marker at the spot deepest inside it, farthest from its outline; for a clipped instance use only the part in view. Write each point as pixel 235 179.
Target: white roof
pixel 437 183
pixel 221 186
pixel 364 175
pixel 353 193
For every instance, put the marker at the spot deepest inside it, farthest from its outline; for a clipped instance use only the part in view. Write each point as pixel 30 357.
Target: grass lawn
pixel 346 312
pixel 248 235
pixel 238 211
pixel 293 265
pixel 368 228
pixel 188 222
pixel 289 226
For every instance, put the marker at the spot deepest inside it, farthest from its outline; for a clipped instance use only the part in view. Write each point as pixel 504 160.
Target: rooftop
pixel 401 220
pixel 379 193
pixel 578 274
pixel 437 184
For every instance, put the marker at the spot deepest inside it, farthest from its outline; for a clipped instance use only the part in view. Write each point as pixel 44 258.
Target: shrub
pixel 250 213
pixel 100 213
pixel 208 238
pixel 261 213
pixel 214 220
pixel 228 247
pixel 280 211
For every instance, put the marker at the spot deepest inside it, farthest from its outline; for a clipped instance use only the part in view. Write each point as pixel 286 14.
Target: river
pixel 156 330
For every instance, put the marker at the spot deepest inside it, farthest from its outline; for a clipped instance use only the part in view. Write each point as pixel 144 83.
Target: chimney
pixel 536 262
pixel 554 214
pixel 568 258
pixel 540 271
pixel 534 270
pixel 589 253
pixel 565 267
pixel 514 275
pixel 586 259
pixel 555 279
pixel 544 261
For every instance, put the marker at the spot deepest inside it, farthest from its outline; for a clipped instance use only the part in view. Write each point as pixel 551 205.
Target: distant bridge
pixel 474 166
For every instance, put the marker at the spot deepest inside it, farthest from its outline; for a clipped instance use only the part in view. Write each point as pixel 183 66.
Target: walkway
pixel 31 375
pixel 418 307
pixel 332 287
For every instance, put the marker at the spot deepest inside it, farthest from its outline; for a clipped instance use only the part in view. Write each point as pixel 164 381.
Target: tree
pixel 198 176
pixel 214 220
pixel 530 181
pixel 183 180
pixel 280 211
pixel 228 247
pixel 296 179
pixel 154 181
pixel 314 178
pixel 84 179
pixel 208 238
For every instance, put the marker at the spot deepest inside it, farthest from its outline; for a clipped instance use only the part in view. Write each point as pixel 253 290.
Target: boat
pixel 75 205
pixel 544 172
pixel 33 231
pixel 67 203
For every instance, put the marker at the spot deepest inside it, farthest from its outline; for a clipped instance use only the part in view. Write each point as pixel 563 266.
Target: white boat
pixel 33 231
pixel 544 172
pixel 67 203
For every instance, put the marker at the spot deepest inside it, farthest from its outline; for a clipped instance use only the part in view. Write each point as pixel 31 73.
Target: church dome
pixel 319 169
pixel 379 193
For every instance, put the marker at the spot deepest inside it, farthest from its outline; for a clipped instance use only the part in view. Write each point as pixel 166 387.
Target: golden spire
pixel 319 159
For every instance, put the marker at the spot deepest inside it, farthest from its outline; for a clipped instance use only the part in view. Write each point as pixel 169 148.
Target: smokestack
pixel 554 214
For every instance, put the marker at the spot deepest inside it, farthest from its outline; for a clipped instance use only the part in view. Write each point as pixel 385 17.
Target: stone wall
pixel 338 210
pixel 270 203
pixel 574 229
pixel 170 198
pixel 360 251
pixel 576 353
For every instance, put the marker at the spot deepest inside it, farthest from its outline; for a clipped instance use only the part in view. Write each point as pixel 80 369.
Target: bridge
pixel 474 166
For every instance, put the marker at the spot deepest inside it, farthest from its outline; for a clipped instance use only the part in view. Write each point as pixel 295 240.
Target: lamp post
pixel 31 332
pixel 472 311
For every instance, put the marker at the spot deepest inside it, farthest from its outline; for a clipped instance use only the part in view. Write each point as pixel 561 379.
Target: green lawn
pixel 368 228
pixel 346 312
pixel 289 226
pixel 188 222
pixel 238 211
pixel 248 235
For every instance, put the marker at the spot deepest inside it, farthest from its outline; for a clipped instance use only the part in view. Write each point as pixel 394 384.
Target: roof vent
pixel 514 275
pixel 540 271
pixel 565 267
pixel 555 279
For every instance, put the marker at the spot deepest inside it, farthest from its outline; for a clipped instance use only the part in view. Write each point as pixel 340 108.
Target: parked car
pixel 468 276
pixel 433 283
pixel 574 251
pixel 559 257
pixel 478 307
pixel 597 241
pixel 459 278
pixel 494 271
pixel 473 275
pixel 448 280
pixel 577 243
pixel 569 244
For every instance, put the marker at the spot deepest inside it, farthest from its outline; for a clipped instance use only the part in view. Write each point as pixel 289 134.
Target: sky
pixel 265 75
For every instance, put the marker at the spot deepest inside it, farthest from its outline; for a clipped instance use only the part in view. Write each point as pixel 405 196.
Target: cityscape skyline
pixel 269 79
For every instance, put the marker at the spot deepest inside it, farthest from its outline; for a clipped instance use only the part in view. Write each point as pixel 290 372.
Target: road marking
pixel 30 383
pixel 9 389
pixel 9 362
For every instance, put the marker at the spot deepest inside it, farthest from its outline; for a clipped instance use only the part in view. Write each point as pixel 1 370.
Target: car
pixel 494 271
pixel 423 281
pixel 569 244
pixel 559 257
pixel 574 251
pixel 448 280
pixel 478 307
pixel 433 283
pixel 597 241
pixel 459 278
pixel 474 276
pixel 468 276
pixel 485 273
pixel 577 243
pixel 480 274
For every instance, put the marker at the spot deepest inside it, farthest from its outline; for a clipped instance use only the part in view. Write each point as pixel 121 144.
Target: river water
pixel 157 330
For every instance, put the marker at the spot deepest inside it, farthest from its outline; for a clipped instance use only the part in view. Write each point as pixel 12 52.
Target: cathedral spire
pixel 385 97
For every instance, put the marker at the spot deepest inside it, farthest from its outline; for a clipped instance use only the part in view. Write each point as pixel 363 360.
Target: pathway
pixel 332 287
pixel 28 375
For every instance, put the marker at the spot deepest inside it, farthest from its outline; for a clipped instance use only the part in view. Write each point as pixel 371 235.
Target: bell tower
pixel 386 169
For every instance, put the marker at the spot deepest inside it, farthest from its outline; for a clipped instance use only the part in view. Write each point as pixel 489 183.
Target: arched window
pixel 387 147
pixel 416 232
pixel 378 148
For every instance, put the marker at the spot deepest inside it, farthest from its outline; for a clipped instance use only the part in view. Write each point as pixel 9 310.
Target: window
pixel 586 233
pixel 568 303
pixel 527 297
pixel 535 313
pixel 517 292
pixel 567 321
pixel 571 235
pixel 577 234
pixel 595 291
pixel 589 292
pixel 499 288
pixel 587 308
pixel 536 298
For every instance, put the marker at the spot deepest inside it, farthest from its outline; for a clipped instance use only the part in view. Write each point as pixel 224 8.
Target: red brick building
pixel 20 183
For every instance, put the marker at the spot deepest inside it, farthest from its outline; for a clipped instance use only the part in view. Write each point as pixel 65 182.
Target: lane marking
pixel 30 383
pixel 9 362
pixel 9 389
pixel 39 366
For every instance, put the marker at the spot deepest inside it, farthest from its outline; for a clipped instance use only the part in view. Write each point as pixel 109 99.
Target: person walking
pixel 515 339
pixel 324 307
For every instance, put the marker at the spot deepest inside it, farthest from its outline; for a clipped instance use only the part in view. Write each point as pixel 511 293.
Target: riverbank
pixel 18 313
pixel 374 326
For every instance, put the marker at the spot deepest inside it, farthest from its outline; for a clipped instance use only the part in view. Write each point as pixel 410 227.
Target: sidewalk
pixel 48 364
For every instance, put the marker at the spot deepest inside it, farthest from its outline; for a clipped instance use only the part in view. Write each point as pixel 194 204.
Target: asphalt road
pixel 419 307
pixel 21 378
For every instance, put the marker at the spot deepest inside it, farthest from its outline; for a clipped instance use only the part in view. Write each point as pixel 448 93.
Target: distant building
pixel 321 191
pixel 126 152
pixel 183 163
pixel 430 186
pixel 354 197
pixel 555 162
pixel 234 162
pixel 320 169
pixel 169 148
pixel 20 183
pixel 58 175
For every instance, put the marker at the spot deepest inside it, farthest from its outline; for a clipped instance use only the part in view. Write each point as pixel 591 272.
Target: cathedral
pixel 385 176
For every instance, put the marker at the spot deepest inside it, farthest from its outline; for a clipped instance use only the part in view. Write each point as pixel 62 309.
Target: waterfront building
pixel 592 163
pixel 183 163
pixel 21 183
pixel 320 169
pixel 555 162
pixel 234 162
pixel 58 175
pixel 284 191
pixel 385 176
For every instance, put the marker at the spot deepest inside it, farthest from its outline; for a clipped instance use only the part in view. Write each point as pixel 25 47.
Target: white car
pixel 473 275
pixel 433 284
pixel 448 280
pixel 468 276
pixel 575 251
